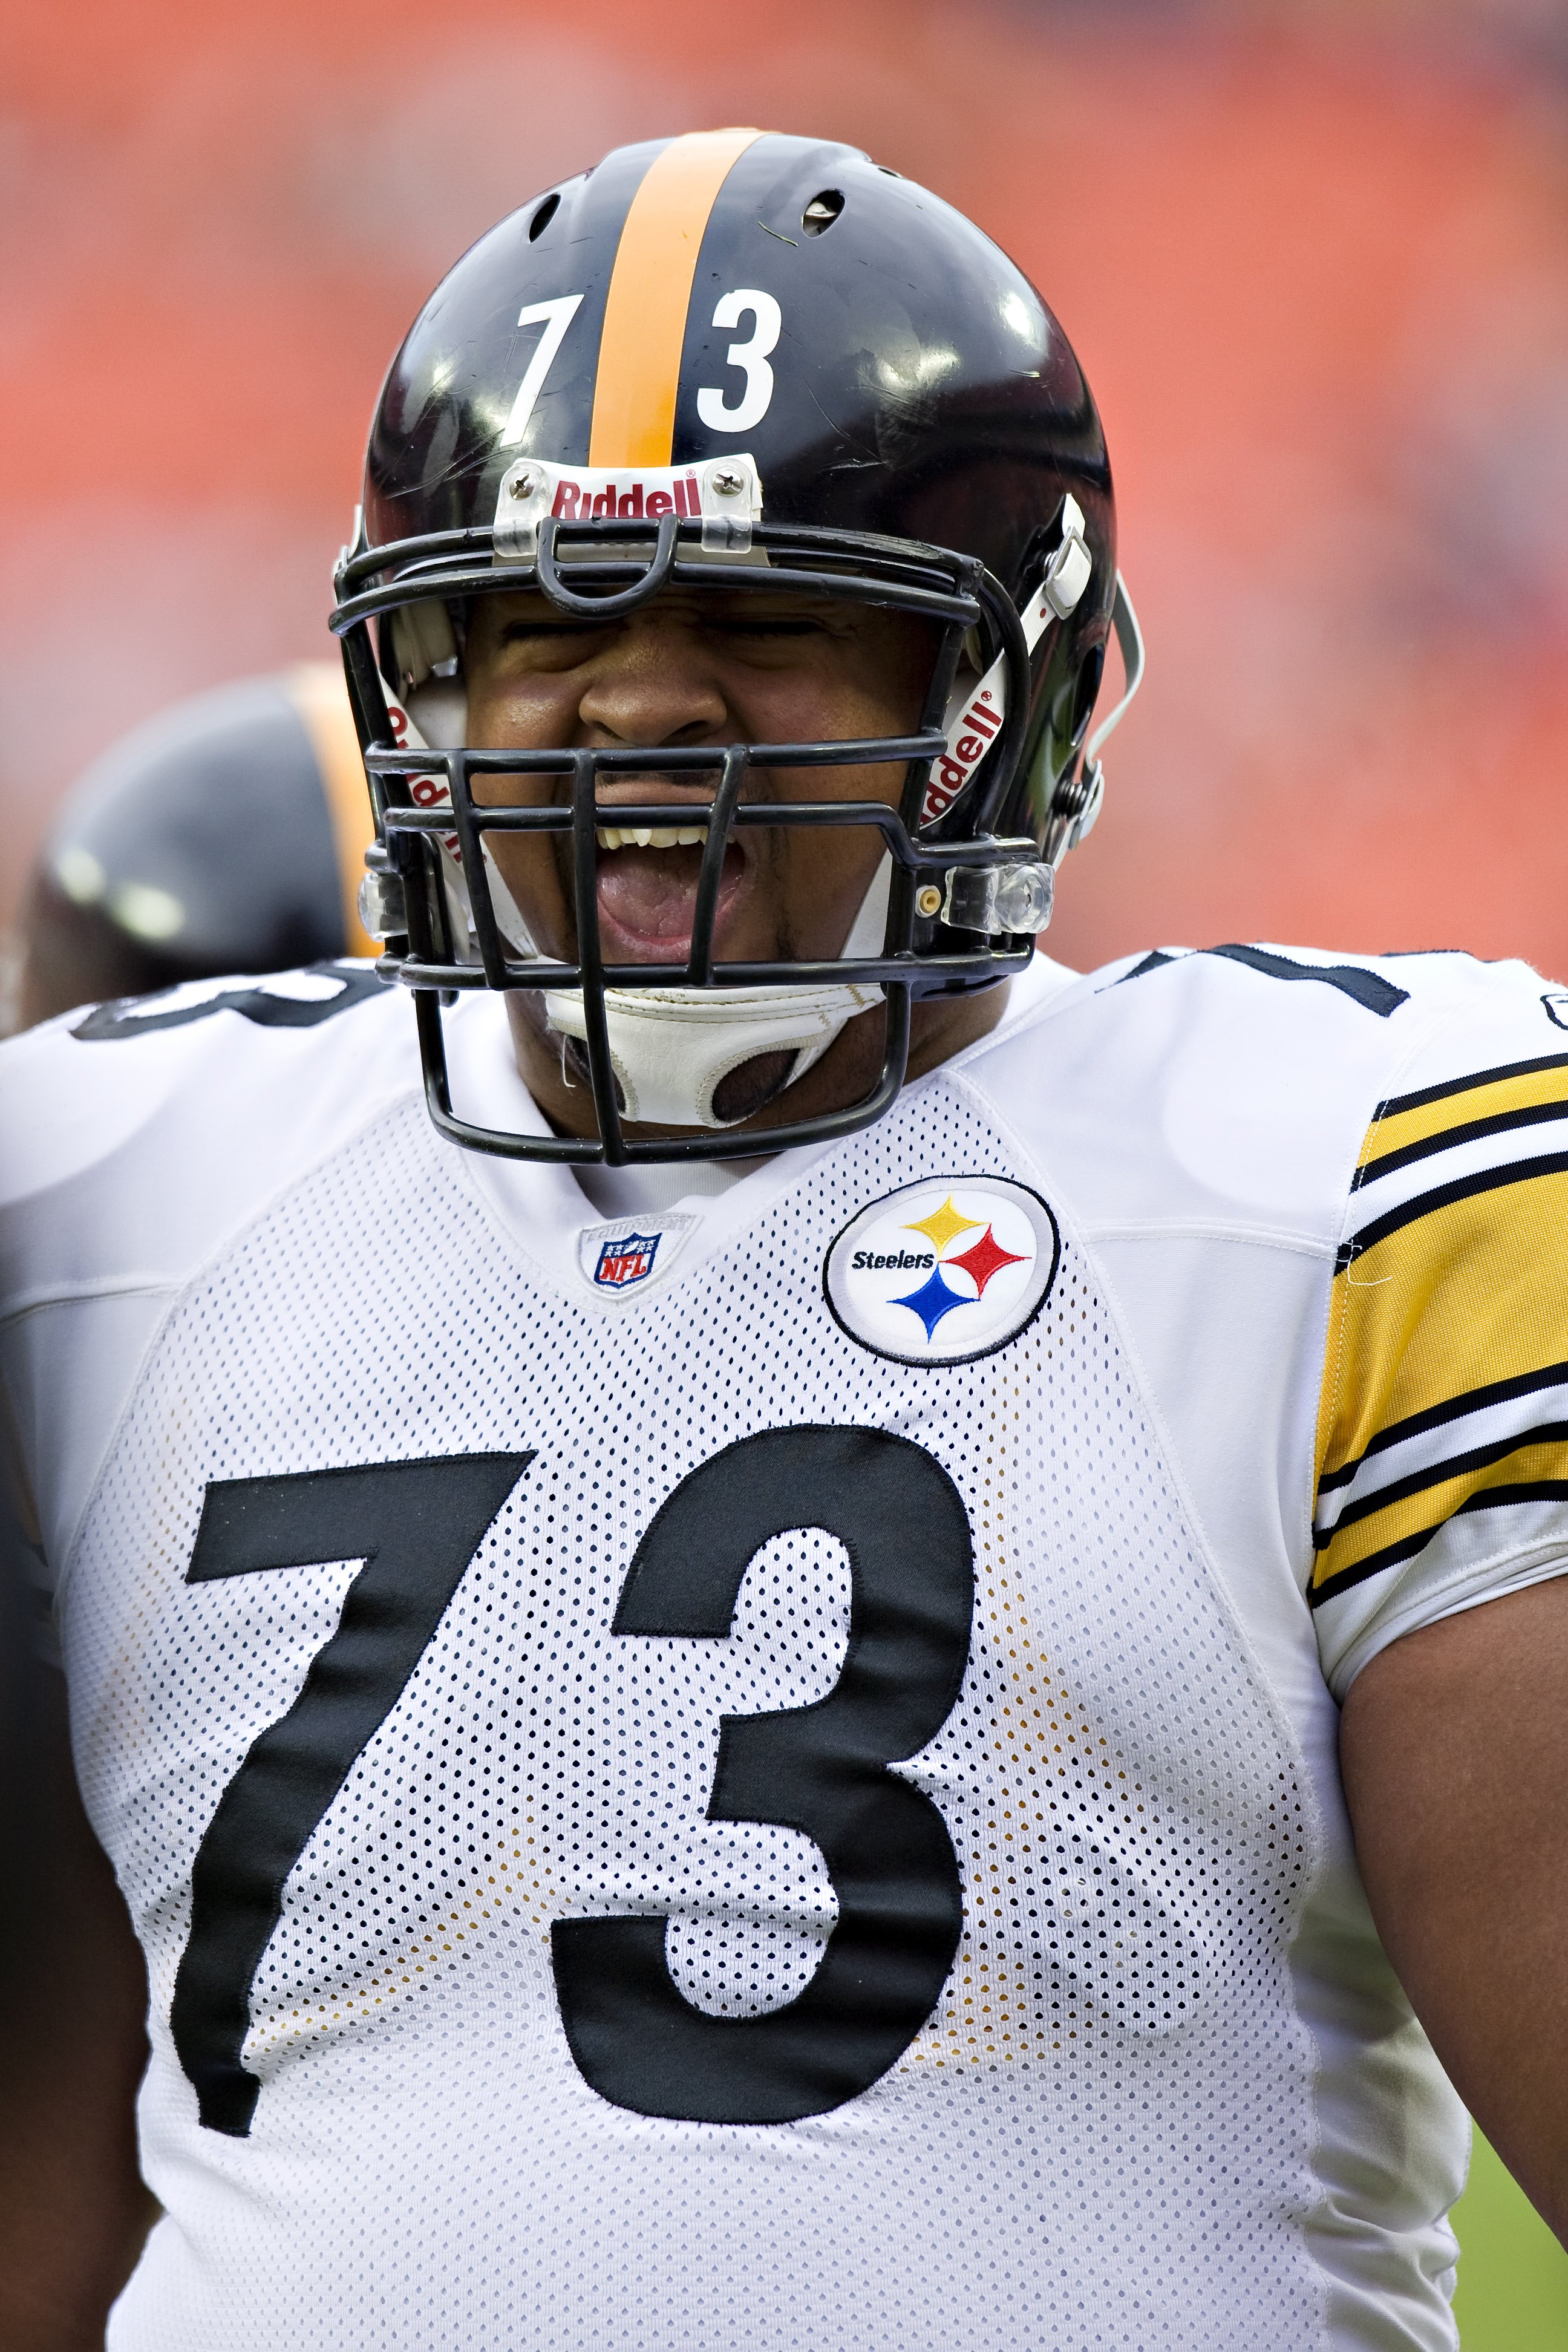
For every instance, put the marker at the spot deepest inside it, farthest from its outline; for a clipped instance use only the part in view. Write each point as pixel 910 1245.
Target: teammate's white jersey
pixel 503 1644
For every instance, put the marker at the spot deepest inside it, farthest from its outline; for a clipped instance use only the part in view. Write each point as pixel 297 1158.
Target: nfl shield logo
pixel 622 1263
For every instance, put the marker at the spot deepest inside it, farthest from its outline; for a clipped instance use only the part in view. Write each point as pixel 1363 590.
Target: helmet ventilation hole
pixel 822 212
pixel 543 216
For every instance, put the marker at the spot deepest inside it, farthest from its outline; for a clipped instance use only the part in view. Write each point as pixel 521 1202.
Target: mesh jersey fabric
pixel 1120 2003
pixel 1144 2111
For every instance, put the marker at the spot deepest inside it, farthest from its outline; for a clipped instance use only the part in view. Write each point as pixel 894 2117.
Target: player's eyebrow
pixel 547 626
pixel 739 622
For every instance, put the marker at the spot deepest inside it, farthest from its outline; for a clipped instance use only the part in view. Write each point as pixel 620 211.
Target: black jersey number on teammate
pixel 818 1769
pixel 415 1525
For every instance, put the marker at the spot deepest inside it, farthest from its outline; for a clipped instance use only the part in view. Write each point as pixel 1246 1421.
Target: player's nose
pixel 656 683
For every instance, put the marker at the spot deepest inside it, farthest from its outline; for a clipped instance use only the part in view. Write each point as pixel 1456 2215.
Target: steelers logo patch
pixel 941 1272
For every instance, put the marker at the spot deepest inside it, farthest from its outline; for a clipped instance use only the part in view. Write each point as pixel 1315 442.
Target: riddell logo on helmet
pixel 969 738
pixel 727 489
pixel 629 496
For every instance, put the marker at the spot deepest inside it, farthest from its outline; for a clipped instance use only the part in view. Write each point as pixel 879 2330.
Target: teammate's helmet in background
pixel 224 835
pixel 736 359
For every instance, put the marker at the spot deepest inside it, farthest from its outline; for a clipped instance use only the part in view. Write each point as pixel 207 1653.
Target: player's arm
pixel 73 1993
pixel 1454 1745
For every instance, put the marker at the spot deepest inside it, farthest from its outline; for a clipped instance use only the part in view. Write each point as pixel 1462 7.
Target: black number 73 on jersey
pixel 822 1768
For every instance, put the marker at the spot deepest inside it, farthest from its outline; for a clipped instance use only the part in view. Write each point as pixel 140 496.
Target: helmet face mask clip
pixel 603 510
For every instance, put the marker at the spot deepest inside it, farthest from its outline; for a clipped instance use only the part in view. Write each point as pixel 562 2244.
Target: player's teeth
pixel 646 836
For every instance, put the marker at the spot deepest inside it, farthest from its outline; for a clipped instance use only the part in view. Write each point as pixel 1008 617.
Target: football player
pixel 226 834
pixel 708 1580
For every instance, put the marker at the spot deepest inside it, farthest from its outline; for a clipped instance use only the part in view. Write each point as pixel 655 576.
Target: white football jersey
pixel 763 1772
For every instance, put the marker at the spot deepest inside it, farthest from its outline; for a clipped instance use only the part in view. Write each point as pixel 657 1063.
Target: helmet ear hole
pixel 822 212
pixel 1086 691
pixel 424 643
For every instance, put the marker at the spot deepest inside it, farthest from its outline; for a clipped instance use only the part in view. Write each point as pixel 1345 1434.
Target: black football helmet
pixel 733 359
pixel 226 835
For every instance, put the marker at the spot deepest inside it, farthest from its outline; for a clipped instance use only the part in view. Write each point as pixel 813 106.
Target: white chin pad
pixel 672 1047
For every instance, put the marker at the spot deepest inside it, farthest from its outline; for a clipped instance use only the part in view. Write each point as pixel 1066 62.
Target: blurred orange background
pixel 1313 256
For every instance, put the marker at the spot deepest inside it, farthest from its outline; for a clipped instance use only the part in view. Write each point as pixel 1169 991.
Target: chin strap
pixel 673 1047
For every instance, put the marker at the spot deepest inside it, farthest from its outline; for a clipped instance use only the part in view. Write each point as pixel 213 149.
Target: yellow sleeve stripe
pixel 1445 1300
pixel 1479 1406
pixel 1399 1526
pixel 1470 1103
pixel 1417 1207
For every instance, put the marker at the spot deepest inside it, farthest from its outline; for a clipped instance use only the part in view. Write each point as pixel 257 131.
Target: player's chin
pixel 753 1087
pixel 845 1075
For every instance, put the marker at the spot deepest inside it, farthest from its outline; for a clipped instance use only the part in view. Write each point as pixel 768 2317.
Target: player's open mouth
pixel 647 890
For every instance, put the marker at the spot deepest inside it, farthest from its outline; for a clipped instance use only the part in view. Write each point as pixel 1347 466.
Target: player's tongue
pixel 649 895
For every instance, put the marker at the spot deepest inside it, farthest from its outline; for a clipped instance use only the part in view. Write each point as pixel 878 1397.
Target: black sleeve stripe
pixel 1398 1103
pixel 1372 1565
pixel 1468 1132
pixel 1437 1474
pixel 1463 1188
pixel 1452 1409
pixel 1530 1490
pixel 1485 1499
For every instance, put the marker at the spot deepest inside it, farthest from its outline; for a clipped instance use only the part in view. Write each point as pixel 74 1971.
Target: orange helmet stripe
pixel 650 293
